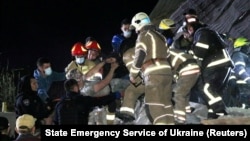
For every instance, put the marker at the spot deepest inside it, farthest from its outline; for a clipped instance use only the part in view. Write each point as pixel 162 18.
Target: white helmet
pixel 139 20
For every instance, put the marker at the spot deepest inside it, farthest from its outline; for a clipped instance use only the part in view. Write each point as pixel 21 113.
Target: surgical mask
pixel 48 71
pixel 127 34
pixel 80 60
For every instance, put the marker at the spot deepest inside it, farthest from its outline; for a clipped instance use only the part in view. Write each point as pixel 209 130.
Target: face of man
pixel 188 34
pixel 80 59
pixel 75 88
pixel 45 68
pixel 33 84
pixel 125 30
pixel 93 54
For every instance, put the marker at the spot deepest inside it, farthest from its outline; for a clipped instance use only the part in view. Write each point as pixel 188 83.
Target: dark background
pixel 31 29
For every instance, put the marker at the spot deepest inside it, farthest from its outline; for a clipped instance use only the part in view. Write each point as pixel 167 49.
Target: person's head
pixel 71 85
pixel 77 75
pixel 4 125
pixel 28 84
pixel 139 21
pixel 25 124
pixel 166 24
pixel 94 49
pixel 126 32
pixel 192 24
pixel 190 12
pixel 44 65
pixel 79 52
pixel 242 44
pixel 166 27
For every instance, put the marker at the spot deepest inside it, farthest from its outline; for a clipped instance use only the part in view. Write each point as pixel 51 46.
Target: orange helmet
pixel 93 45
pixel 78 49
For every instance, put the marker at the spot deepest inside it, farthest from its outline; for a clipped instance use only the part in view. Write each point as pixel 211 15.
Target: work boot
pixel 126 117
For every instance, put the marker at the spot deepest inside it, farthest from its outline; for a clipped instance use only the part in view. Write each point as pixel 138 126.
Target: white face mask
pixel 48 71
pixel 80 60
pixel 127 33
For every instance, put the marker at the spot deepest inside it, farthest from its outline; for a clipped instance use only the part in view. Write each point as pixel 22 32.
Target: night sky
pixel 35 28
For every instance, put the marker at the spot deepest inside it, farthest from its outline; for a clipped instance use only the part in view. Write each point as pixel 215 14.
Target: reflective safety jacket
pixel 150 53
pixel 182 63
pixel 209 48
pixel 241 70
pixel 128 57
pixel 84 68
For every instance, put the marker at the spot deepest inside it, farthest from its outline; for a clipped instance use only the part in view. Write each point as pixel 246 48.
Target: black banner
pixel 124 131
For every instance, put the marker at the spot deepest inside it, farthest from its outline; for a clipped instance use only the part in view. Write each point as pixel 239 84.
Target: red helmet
pixel 93 45
pixel 78 49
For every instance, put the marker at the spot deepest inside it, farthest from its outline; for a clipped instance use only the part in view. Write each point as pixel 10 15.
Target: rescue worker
pixel 80 60
pixel 188 13
pixel 209 50
pixel 150 61
pixel 239 80
pixel 186 72
pixel 166 27
pixel 94 54
pixel 94 51
pixel 140 115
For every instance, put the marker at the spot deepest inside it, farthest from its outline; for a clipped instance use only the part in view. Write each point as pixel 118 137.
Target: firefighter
pixel 138 93
pixel 239 81
pixel 150 62
pixel 186 72
pixel 80 61
pixel 94 51
pixel 166 27
pixel 209 49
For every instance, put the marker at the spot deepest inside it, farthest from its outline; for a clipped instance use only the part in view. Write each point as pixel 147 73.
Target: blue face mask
pixel 48 71
pixel 80 60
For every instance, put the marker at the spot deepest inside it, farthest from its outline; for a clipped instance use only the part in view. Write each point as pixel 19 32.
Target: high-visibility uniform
pixel 150 62
pixel 186 72
pixel 209 50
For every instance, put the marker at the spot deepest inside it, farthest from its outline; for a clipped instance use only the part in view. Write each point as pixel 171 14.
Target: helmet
pixel 192 20
pixel 78 49
pixel 139 20
pixel 166 24
pixel 241 41
pixel 93 45
pixel 190 12
pixel 116 42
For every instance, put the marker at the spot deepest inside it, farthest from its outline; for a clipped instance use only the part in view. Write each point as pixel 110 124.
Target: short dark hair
pixel 125 21
pixel 42 60
pixel 69 84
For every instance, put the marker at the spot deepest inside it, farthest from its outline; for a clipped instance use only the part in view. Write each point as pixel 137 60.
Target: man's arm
pixel 140 54
pixel 99 66
pixel 103 83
